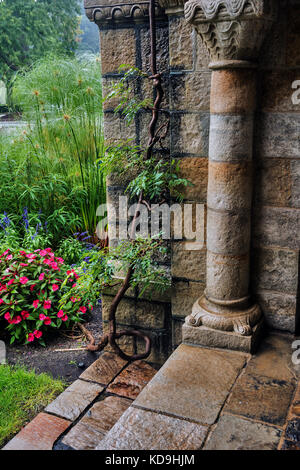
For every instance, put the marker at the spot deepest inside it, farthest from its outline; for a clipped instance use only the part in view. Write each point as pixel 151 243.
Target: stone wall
pixel 183 60
pixel 276 221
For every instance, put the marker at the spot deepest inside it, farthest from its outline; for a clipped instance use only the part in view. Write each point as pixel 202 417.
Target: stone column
pixel 233 31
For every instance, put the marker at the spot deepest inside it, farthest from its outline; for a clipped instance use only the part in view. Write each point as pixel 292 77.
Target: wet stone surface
pixel 94 425
pixel 132 380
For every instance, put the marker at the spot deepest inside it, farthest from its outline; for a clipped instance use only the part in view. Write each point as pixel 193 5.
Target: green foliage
pixel 23 395
pixel 103 267
pixel 32 29
pixel 52 166
pixel 71 250
pixel 124 90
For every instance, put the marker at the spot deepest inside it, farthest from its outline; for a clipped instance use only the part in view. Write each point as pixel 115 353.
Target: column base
pixel 207 337
pixel 231 315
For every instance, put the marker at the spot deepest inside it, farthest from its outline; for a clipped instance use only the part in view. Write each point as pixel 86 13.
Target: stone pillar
pixel 233 31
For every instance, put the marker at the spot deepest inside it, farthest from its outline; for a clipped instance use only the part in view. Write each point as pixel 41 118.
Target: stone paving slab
pixel 194 383
pixel 235 433
pixel 291 438
pixel 273 359
pixel 261 398
pixel 39 434
pixel 95 424
pixel 132 380
pixel 72 402
pixel 105 369
pixel 144 430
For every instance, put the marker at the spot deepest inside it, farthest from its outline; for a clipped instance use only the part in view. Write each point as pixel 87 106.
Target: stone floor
pixel 201 398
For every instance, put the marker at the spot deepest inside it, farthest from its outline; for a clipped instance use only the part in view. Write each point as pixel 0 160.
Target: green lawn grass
pixel 23 394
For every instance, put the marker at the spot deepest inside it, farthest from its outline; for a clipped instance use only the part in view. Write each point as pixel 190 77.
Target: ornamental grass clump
pixel 31 286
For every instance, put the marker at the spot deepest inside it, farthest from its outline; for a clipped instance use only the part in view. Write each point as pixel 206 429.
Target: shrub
pixel 31 286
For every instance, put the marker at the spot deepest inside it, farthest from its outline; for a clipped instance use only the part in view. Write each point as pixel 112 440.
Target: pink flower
pixel 55 287
pixel 23 253
pixel 17 320
pixel 6 252
pixel 1 301
pixel 30 337
pixel 65 318
pixel 47 304
pixel 55 266
pixel 60 314
pixel 36 303
pixel 23 264
pixel 41 277
pixel 42 317
pixel 25 314
pixel 60 260
pixel 24 280
pixel 43 253
pixel 8 258
pixel 47 261
pixel 49 250
pixel 7 316
pixel 30 256
pixel 74 285
pixel 32 287
pixel 82 309
pixel 47 321
pixel 37 333
pixel 10 282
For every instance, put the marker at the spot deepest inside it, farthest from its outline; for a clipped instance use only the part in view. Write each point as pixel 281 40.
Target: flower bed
pixel 31 287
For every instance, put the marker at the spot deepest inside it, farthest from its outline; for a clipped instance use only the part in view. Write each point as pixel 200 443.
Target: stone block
pixel 177 332
pixel 195 170
pixel 276 90
pixel 230 185
pixel 207 337
pixel 72 402
pixel 228 233
pixel 277 135
pixel 115 129
pixel 189 133
pixel 273 51
pixel 185 294
pixel 162 47
pixel 188 264
pixel 39 434
pixel 295 177
pixel 276 226
pixel 190 91
pixel 273 359
pixel 161 345
pixel 224 145
pixel 104 369
pixel 143 430
pixel 233 91
pixel 272 184
pixel 275 269
pixel 227 276
pixel 235 433
pixel 193 384
pixel 293 35
pixel 137 312
pixel 96 423
pixel 261 398
pixel 279 310
pixel 180 44
pixel 113 52
pixel 131 381
pixel 126 343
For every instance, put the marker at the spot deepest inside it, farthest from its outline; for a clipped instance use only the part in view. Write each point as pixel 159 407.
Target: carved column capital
pixel 117 11
pixel 232 30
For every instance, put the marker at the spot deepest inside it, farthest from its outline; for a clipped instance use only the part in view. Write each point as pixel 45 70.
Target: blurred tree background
pixel 30 29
